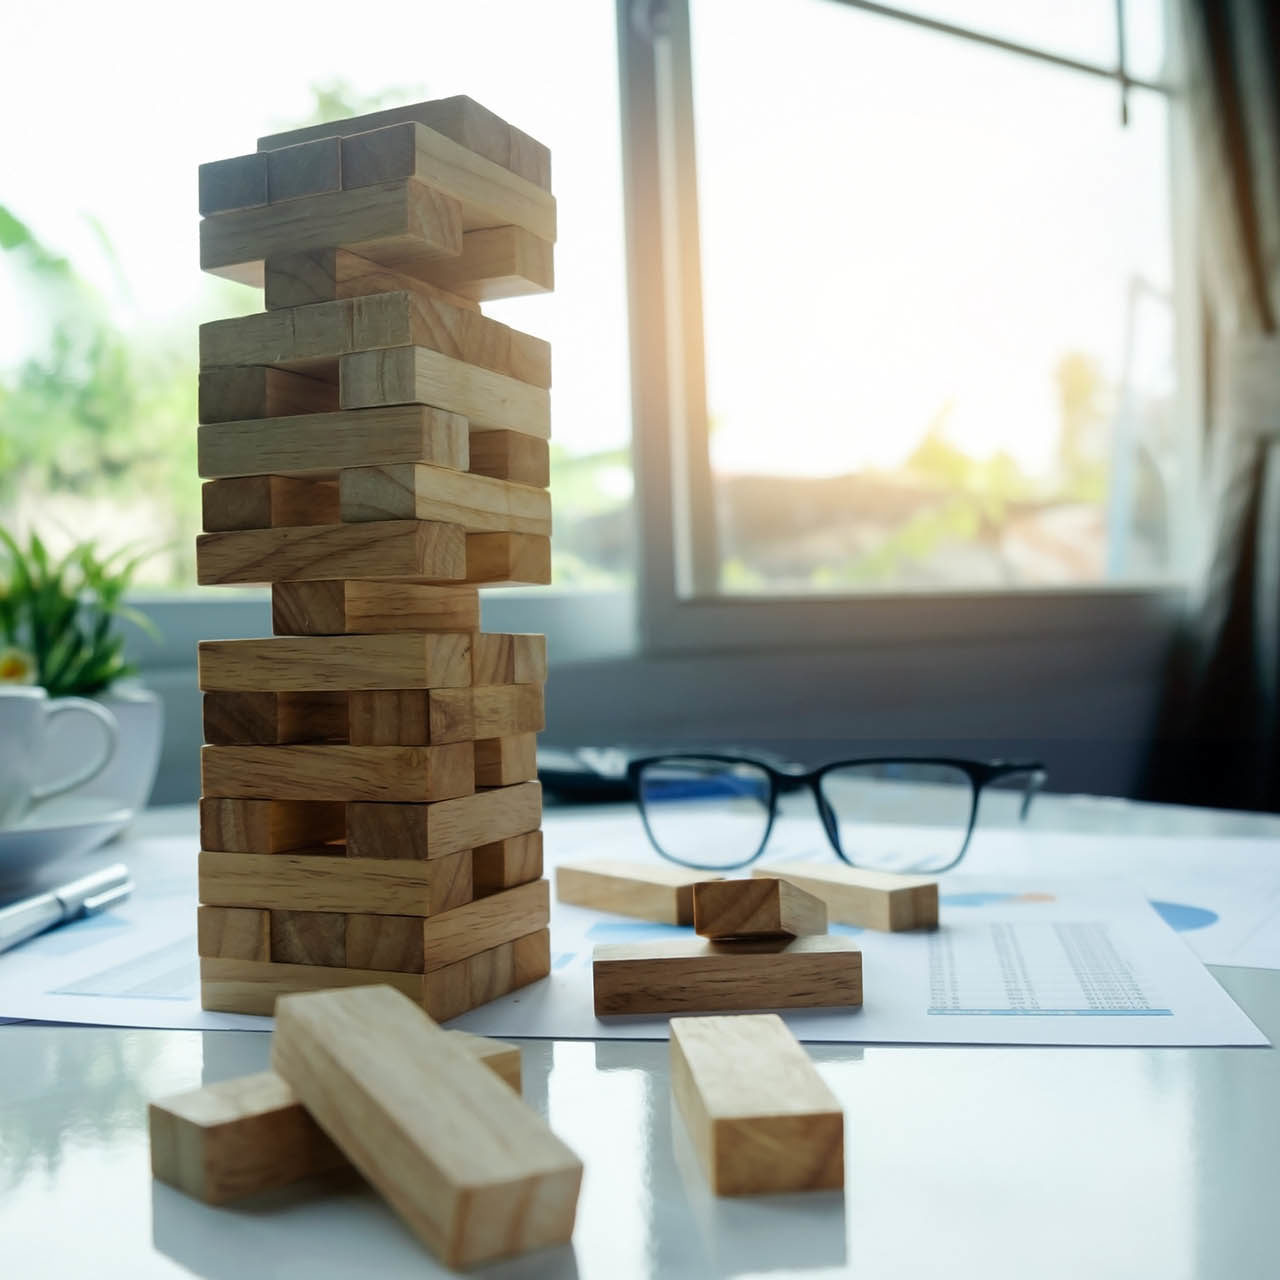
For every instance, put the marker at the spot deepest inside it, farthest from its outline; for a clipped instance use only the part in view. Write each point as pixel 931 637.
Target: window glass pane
pixel 938 309
pixel 98 379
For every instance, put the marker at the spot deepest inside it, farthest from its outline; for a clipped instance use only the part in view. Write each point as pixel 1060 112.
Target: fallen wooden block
pixel 869 899
pixel 758 908
pixel 274 718
pixel 417 716
pixel 696 975
pixel 354 607
pixel 760 1116
pixel 646 890
pixel 500 762
pixel 232 825
pixel 504 864
pixel 251 392
pixel 241 1137
pixel 474 1173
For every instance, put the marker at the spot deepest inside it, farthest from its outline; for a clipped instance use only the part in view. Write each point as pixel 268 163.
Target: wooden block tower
pixel 375 449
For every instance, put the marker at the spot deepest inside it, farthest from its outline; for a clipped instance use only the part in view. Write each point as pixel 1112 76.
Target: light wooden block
pixel 495 263
pixel 485 923
pixel 407 660
pixel 392 549
pixel 306 169
pixel 416 716
pixel 696 975
pixel 457 988
pixel 342 607
pixel 490 196
pixel 760 1116
pixel 756 908
pixel 508 559
pixel 508 658
pixel 647 890
pixel 263 502
pixel 446 827
pixel 311 883
pixel 268 826
pixel 393 943
pixel 234 933
pixel 327 442
pixel 418 375
pixel 306 937
pixel 510 455
pixel 329 772
pixel 503 864
pixel 251 392
pixel 261 719
pixel 409 491
pixel 473 1172
pixel 503 761
pixel 328 275
pixel 404 225
pixel 869 899
pixel 238 182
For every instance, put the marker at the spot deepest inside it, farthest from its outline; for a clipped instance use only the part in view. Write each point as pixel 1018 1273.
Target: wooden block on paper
pixel 268 826
pixel 467 984
pixel 306 937
pixel 460 118
pixel 692 975
pixel 509 455
pixel 328 275
pixel 489 195
pixel 503 761
pixel 508 559
pixel 759 1114
pixel 305 169
pixel 503 864
pixel 238 182
pixel 234 933
pixel 254 392
pixel 869 899
pixel 310 884
pixel 418 375
pixel 407 660
pixel 647 890
pixel 409 491
pixel 327 442
pixel 397 224
pixel 446 827
pixel 330 772
pixel 264 502
pixel 473 1172
pixel 508 658
pixel 762 907
pixel 498 262
pixel 485 923
pixel 355 607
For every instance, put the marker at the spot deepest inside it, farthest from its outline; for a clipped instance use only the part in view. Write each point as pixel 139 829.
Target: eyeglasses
pixel 715 812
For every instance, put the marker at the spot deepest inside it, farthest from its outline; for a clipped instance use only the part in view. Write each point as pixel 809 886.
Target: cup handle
pixel 111 738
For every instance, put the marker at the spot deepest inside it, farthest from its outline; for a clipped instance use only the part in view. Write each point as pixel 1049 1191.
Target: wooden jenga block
pixel 234 933
pixel 418 375
pixel 306 937
pixel 503 761
pixel 508 559
pixel 239 182
pixel 460 118
pixel 756 908
pixel 305 169
pixel 269 826
pixel 467 984
pixel 338 608
pixel 392 943
pixel 261 502
pixel 399 224
pixel 329 275
pixel 503 864
pixel 508 658
pixel 490 195
pixel 408 491
pixel 308 884
pixel 759 1114
pixel 485 923
pixel 414 716
pixel 869 899
pixel 696 975
pixel 330 772
pixel 264 718
pixel 249 391
pixel 407 660
pixel 510 455
pixel 326 442
pixel 647 890
pixel 497 262
pixel 241 1137
pixel 446 827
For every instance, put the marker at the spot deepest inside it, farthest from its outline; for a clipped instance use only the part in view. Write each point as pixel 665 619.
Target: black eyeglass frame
pixel 980 774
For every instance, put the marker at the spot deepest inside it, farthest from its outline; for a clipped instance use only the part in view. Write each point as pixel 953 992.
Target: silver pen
pixel 84 897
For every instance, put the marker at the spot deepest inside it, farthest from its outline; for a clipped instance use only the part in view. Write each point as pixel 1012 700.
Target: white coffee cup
pixel 25 714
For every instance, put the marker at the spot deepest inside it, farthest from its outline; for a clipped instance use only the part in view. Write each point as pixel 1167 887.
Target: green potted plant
pixel 60 629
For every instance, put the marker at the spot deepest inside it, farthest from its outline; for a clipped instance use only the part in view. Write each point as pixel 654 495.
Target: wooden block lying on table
pixel 503 864
pixel 446 827
pixel 647 890
pixel 498 262
pixel 268 826
pixel 508 658
pixel 870 899
pixel 474 1173
pixel 503 761
pixel 307 882
pixel 253 392
pixel 418 375
pixel 408 491
pixel 234 933
pixel 306 937
pixel 510 455
pixel 327 442
pixel 398 224
pixel 263 502
pixel 238 182
pixel 407 660
pixel 351 606
pixel 508 559
pixel 331 772
pixel 691 975
pixel 756 908
pixel 759 1114
pixel 265 718
pixel 415 716
pixel 305 169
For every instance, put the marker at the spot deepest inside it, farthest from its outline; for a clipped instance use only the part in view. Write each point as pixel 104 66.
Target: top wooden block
pixel 756 908
pixel 870 899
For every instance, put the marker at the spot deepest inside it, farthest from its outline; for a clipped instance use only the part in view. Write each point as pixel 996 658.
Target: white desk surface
pixel 960 1162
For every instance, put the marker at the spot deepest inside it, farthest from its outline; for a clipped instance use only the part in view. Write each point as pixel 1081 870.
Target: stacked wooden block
pixel 375 449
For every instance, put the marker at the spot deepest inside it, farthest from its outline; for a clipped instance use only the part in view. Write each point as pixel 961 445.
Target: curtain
pixel 1218 740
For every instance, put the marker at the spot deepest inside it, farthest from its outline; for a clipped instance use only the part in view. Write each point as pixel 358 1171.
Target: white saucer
pixel 58 829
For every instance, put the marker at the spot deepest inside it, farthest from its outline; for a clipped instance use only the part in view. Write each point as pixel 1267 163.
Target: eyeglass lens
pixel 705 813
